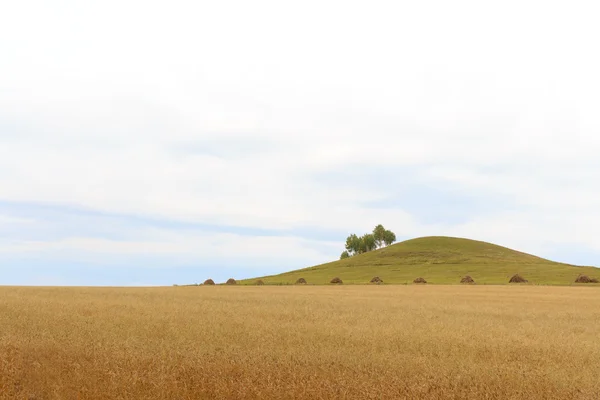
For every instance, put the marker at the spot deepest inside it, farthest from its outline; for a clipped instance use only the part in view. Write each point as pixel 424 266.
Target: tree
pixel 389 237
pixel 379 234
pixel 352 244
pixel 367 243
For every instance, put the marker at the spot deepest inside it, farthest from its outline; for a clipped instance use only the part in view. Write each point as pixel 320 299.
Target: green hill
pixel 440 260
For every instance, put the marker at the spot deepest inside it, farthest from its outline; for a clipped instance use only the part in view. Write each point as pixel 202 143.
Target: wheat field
pixel 309 342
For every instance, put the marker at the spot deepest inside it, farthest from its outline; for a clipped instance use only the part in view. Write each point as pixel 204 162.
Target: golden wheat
pixel 359 342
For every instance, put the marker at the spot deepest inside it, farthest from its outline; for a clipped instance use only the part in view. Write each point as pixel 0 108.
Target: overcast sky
pixel 146 142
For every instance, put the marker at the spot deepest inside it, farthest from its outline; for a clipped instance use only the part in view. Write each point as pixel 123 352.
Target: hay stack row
pixel 230 281
pixel 467 279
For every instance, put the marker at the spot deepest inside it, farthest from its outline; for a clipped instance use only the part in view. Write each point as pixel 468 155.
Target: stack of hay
pixel 585 279
pixel 518 279
pixel 419 280
pixel 467 279
pixel 209 282
pixel 336 280
pixel 377 280
pixel 231 281
pixel 301 281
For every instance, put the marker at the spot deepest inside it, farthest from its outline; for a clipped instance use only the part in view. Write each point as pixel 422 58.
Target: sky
pixel 159 143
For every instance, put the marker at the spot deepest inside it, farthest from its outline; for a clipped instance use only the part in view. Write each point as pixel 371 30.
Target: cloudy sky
pixel 146 142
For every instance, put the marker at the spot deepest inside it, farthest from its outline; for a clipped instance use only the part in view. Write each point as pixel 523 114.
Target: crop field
pixel 300 342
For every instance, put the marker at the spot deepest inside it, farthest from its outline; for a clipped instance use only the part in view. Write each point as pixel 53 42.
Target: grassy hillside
pixel 441 260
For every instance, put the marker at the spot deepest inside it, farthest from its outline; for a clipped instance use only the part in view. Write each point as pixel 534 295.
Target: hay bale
pixel 585 279
pixel 419 280
pixel 260 282
pixel 301 281
pixel 231 281
pixel 209 282
pixel 377 280
pixel 336 280
pixel 517 279
pixel 582 279
pixel 467 279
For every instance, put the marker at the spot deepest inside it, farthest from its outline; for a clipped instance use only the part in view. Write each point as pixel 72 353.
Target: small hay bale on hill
pixel 585 279
pixel 301 281
pixel 517 279
pixel 467 279
pixel 336 281
pixel 209 282
pixel 231 281
pixel 377 280
pixel 419 280
pixel 260 282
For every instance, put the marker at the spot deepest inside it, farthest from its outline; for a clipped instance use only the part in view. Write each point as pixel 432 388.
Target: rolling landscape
pixel 193 197
pixel 439 260
pixel 319 341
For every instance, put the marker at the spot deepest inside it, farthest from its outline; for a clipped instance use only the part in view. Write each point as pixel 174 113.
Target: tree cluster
pixel 380 237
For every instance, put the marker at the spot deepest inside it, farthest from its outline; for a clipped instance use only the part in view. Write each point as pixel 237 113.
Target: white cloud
pixel 187 248
pixel 10 220
pixel 97 101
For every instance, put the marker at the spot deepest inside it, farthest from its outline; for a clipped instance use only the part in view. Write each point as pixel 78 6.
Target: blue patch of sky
pixel 44 272
pixel 573 254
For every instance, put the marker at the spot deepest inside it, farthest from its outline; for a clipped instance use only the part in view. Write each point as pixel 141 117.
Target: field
pixel 308 342
pixel 439 260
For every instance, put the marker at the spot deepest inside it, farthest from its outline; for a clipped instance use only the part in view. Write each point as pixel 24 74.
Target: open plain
pixel 301 342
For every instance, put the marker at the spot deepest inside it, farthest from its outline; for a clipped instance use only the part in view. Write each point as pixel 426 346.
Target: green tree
pixel 389 237
pixel 379 234
pixel 353 244
pixel 367 243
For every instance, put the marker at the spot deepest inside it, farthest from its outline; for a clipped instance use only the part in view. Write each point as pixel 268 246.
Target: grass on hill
pixel 440 260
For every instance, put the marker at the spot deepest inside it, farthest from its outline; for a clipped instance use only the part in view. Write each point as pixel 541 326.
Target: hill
pixel 441 260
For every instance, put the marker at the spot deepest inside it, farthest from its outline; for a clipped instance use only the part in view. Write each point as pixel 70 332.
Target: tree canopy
pixel 380 237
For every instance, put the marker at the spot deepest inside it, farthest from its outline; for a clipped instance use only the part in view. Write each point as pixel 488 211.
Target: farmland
pixel 302 342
